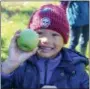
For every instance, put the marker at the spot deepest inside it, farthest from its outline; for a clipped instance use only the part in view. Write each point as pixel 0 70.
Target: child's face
pixel 51 43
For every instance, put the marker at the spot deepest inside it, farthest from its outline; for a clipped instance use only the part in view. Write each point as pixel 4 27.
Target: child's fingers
pixel 32 52
pixel 26 55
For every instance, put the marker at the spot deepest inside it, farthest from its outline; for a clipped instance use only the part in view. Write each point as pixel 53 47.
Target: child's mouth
pixel 46 49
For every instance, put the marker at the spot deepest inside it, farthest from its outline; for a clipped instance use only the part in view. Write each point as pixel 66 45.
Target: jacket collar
pixel 65 62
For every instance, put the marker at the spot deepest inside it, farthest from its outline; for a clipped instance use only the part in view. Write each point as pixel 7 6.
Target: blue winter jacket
pixel 70 73
pixel 77 12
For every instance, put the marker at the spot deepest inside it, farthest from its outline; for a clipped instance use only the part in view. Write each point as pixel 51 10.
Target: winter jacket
pixel 77 12
pixel 70 73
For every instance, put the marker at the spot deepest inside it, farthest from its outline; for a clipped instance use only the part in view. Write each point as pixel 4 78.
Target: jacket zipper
pixel 38 77
pixel 45 77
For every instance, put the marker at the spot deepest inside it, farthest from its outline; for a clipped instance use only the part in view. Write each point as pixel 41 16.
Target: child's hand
pixel 15 53
pixel 16 56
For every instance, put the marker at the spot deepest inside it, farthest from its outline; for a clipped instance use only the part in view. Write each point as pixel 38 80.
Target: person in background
pixel 78 16
pixel 50 65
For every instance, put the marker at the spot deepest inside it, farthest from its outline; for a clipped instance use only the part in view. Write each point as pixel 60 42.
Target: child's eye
pixel 55 34
pixel 40 33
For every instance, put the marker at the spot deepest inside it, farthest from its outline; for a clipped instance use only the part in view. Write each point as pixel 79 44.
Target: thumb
pixel 14 38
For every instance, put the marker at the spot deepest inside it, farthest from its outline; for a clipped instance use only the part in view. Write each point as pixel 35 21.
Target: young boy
pixel 49 65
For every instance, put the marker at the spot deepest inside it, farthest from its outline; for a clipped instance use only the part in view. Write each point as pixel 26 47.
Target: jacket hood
pixel 74 57
pixel 70 59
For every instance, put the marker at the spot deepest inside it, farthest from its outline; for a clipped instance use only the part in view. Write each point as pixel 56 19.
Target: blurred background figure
pixel 78 16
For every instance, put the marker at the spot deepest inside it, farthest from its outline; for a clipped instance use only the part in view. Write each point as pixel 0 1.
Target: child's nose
pixel 43 40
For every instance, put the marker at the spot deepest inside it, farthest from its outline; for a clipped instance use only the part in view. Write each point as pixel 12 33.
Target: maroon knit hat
pixel 50 17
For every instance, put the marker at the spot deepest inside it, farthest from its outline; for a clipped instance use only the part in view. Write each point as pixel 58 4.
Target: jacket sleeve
pixel 13 79
pixel 7 80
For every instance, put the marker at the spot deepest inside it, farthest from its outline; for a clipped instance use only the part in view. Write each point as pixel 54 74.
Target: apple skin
pixel 28 40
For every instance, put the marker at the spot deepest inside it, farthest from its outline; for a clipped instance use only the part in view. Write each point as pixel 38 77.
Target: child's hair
pixel 50 17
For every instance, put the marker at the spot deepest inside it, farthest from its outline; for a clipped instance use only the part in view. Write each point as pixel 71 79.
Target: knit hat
pixel 50 17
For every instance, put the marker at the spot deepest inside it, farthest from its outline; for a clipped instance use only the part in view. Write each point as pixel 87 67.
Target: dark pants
pixel 75 34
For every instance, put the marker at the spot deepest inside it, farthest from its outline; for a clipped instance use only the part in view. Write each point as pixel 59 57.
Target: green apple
pixel 28 40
